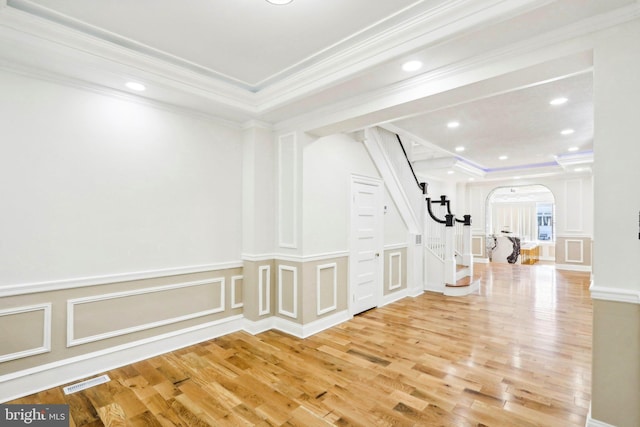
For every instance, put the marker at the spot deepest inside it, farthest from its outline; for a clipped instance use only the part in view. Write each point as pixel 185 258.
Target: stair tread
pixel 464 281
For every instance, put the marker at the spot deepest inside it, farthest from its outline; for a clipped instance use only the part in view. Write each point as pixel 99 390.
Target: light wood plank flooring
pixel 518 354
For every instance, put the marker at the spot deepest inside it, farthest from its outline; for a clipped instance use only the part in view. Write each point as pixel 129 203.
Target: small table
pixel 530 253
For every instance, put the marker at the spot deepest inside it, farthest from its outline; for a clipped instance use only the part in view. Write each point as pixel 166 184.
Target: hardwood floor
pixel 517 354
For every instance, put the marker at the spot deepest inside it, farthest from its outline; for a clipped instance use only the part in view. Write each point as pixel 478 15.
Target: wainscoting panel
pixel 395 271
pixel 477 246
pixel 573 206
pixel 327 287
pixel 105 316
pixel 25 331
pixel 394 279
pixel 264 290
pixel 477 205
pixel 236 291
pixel 287 191
pixel 574 251
pixel 288 291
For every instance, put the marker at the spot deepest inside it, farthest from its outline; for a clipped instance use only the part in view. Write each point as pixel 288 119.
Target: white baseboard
pixel 595 423
pixel 33 380
pixel 396 296
pixel 325 323
pixel 571 267
pixel 296 329
pixel 614 294
pixel 23 383
pixel 481 260
pixel 415 292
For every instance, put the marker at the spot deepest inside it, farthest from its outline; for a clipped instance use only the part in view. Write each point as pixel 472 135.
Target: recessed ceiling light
pixel 573 148
pixel 139 87
pixel 460 149
pixel 279 2
pixel 503 157
pixel 578 169
pixel 472 179
pixel 558 101
pixel 449 172
pixel 412 65
pixel 453 124
pixel 567 131
pixel 516 177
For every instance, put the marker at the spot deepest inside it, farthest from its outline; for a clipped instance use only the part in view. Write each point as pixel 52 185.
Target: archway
pixel 520 224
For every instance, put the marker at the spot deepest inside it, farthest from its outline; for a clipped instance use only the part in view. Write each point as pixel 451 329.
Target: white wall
pixel 97 185
pixel 329 163
pixel 616 285
pixel 395 230
pixel 258 191
pixel 573 201
pixel 616 91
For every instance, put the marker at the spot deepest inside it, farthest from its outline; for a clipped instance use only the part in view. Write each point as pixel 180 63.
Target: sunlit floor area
pixel 516 354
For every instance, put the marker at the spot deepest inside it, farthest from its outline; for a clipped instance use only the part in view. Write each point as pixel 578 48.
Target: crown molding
pixel 65 80
pixel 30 40
pixel 36 35
pixel 251 124
pixel 60 35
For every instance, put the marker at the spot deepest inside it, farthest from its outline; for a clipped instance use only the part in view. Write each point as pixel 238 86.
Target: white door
pixel 366 244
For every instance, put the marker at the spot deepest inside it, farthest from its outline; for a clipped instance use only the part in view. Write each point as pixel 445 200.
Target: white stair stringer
pixel 463 272
pixel 394 170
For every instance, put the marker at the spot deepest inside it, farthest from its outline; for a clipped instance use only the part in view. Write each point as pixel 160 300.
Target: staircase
pixel 448 262
pixel 448 241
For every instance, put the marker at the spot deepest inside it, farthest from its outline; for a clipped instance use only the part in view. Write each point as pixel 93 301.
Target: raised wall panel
pixel 477 246
pixel 574 251
pixel 237 300
pixel 105 316
pixel 327 287
pixel 288 291
pixel 25 331
pixel 264 290
pixel 573 205
pixel 395 270
pixel 477 203
pixel 287 191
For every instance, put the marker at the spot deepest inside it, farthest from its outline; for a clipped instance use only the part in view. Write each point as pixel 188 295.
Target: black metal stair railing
pixel 421 185
pixel 449 217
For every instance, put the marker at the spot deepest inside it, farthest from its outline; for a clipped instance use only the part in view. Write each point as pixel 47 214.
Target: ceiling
pixel 335 66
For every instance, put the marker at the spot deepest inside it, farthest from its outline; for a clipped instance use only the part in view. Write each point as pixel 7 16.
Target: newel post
pixel 449 250
pixel 467 253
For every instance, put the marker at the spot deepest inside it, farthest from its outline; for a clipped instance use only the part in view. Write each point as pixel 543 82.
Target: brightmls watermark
pixel 34 415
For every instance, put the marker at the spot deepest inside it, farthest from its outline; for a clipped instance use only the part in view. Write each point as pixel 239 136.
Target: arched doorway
pixel 520 224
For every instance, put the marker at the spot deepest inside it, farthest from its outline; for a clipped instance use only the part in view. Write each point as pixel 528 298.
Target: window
pixel 545 221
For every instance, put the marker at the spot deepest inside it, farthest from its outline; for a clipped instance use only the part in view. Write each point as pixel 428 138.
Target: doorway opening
pixel 521 224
